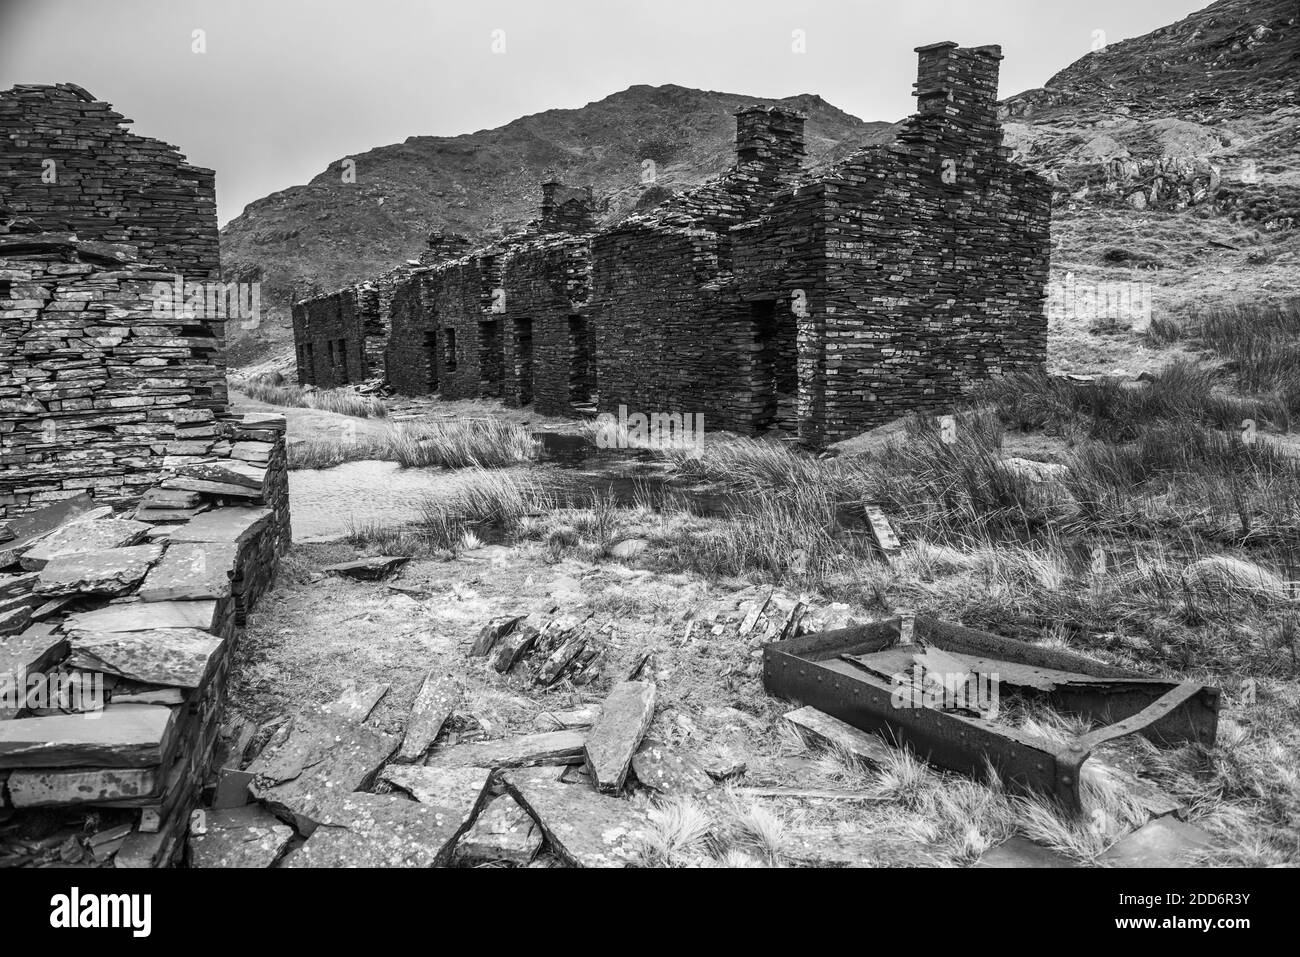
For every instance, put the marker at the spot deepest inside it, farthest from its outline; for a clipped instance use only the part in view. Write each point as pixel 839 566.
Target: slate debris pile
pixel 118 633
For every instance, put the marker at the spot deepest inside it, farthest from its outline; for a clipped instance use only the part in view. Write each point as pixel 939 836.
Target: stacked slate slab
pixel 140 611
pixel 98 392
pixel 822 303
pixel 68 162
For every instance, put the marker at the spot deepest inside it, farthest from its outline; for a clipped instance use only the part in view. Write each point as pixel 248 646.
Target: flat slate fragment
pixel 1022 852
pixel 433 704
pixel 328 752
pixel 234 525
pixel 368 569
pixel 382 830
pixel 127 735
pixel 55 786
pixel 237 837
pixel 147 616
pixel 668 770
pixel 173 657
pixel 226 472
pixel 453 789
pixel 831 731
pixel 624 718
pixel 107 571
pixel 585 828
pixel 190 571
pixel 84 536
pixel 1163 842
pixel 547 747
pixel 23 654
pixel 504 831
pixel 848 846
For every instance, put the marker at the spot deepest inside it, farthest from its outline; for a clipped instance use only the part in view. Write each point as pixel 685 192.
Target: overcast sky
pixel 286 86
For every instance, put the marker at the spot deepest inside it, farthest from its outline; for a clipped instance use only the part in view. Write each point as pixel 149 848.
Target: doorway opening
pixel 523 352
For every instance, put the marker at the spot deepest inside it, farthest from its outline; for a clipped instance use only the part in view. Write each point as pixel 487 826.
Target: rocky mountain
pixel 317 237
pixel 1199 119
pixel 1204 111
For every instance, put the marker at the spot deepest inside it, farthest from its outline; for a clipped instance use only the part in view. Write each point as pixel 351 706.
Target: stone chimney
pixel 770 136
pixel 442 246
pixel 567 209
pixel 960 83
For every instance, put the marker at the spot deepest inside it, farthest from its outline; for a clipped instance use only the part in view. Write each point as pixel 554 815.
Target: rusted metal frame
pixel 985 645
pixel 947 739
pixel 809 670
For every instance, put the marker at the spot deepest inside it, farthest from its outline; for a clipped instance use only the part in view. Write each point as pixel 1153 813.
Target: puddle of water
pixel 328 503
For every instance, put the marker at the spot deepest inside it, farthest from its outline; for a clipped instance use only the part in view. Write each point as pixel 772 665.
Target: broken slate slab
pixel 21 655
pixel 84 536
pixel 668 770
pixel 831 732
pixel 146 616
pixel 190 571
pixel 585 828
pixel 108 571
pixel 223 472
pixel 173 657
pixel 127 735
pixel 503 832
pixel 576 718
pixel 327 751
pixel 368 569
pixel 433 705
pixel 511 648
pixel 560 659
pixel 383 830
pixel 546 748
pixel 237 837
pixel 849 846
pixel 455 789
pixel 234 525
pixel 625 717
pixel 1163 842
pixel 26 529
pixel 491 633
pixel 1022 852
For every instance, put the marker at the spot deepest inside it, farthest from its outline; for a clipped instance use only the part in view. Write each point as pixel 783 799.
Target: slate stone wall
pixel 329 334
pixel 98 391
pixel 68 162
pixel 820 302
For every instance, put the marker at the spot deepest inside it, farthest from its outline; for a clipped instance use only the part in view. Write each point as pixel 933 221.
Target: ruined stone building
pixel 99 386
pixel 823 302
pixel 140 519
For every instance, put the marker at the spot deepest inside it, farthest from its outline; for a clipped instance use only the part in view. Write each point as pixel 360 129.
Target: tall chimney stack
pixel 958 82
pixel 770 136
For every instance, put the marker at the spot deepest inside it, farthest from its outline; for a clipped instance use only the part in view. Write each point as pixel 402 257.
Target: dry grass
pixel 469 443
pixel 273 389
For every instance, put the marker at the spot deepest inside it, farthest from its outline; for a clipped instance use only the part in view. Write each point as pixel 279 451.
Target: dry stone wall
pixel 67 162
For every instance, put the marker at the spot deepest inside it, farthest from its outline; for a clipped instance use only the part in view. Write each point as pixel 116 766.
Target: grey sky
pixel 286 86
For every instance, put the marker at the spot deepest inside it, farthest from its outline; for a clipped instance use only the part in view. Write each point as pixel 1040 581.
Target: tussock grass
pixel 458 443
pixel 273 389
pixel 1183 391
pixel 461 443
pixel 1261 341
